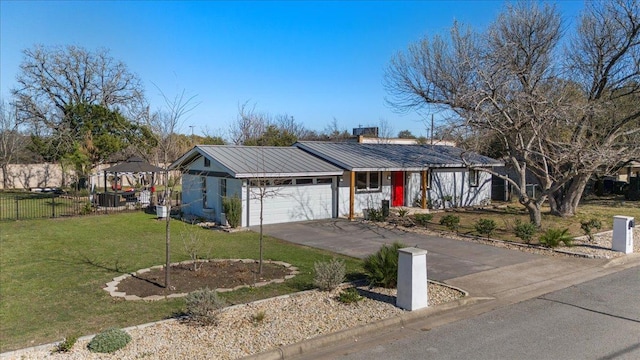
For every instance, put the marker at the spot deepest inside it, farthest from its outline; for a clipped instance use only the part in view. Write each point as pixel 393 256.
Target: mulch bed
pixel 214 275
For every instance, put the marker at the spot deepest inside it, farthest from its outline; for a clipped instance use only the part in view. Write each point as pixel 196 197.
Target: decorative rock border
pixel 112 286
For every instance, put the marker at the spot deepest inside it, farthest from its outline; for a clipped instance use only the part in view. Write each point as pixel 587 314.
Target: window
pixel 207 162
pixel 324 181
pixel 367 181
pixel 223 188
pixel 473 177
pixel 281 182
pixel 203 184
pixel 304 181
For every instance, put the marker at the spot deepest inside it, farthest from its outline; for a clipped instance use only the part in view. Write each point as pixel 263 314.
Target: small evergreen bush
pixel 203 306
pixel 66 344
pixel 485 227
pixel 423 219
pixel 349 296
pixel 329 274
pixel 232 207
pixel 452 222
pixel 554 237
pixel 588 226
pixel 382 267
pixel 109 341
pixel 525 231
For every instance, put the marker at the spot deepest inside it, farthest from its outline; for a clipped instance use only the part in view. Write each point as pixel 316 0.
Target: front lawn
pixel 52 272
pixel 506 215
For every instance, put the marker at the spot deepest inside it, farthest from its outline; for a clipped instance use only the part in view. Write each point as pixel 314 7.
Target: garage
pixel 288 200
pixel 292 184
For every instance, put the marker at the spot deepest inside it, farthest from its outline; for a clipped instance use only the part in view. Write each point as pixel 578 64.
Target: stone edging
pixel 112 286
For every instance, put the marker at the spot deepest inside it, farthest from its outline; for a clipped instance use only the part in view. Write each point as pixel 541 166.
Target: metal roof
pixel 261 161
pixel 393 157
pixel 134 164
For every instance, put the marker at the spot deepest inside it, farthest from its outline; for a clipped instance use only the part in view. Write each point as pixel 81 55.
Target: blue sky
pixel 315 61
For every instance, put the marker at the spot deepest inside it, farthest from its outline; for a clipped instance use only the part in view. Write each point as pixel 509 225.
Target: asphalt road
pixel 598 319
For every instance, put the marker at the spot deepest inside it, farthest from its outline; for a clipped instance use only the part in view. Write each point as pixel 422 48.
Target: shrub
pixel 258 317
pixel 553 237
pixel 525 231
pixel 485 227
pixel 376 215
pixel 329 274
pixel 349 296
pixel 402 212
pixel 423 219
pixel 588 226
pixel 203 306
pixel 232 207
pixel 109 341
pixel 66 344
pixel 382 267
pixel 452 222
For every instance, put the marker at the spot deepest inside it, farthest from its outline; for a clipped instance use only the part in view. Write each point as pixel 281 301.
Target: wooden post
pixel 352 194
pixel 423 188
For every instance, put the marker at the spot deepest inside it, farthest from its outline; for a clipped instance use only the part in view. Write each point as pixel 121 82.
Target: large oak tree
pixel 560 113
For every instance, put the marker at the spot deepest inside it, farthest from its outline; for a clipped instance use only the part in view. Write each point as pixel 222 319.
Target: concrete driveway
pixel 446 258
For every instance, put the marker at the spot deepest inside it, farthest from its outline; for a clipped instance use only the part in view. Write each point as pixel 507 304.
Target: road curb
pixel 400 321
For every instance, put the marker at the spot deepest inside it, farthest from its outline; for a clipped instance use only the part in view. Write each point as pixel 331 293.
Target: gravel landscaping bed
pixel 600 248
pixel 288 319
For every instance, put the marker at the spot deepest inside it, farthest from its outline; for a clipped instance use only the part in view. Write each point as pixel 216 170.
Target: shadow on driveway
pixel 446 258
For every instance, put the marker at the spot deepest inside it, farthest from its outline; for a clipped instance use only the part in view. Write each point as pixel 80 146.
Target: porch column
pixel 423 188
pixel 352 194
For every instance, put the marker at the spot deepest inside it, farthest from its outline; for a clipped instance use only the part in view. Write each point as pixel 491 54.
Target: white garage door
pixel 292 203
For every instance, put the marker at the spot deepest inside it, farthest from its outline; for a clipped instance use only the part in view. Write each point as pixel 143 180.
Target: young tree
pixel 507 84
pixel 164 126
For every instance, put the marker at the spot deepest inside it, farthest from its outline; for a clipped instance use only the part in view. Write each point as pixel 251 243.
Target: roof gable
pixel 260 161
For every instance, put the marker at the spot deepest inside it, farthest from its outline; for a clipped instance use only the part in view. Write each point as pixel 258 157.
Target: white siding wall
pixel 455 183
pixel 363 200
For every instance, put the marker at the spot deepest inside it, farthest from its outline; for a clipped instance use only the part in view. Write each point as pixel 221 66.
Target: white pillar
pixel 622 234
pixel 412 279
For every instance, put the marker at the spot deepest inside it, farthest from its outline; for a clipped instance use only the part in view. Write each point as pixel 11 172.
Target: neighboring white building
pixel 320 180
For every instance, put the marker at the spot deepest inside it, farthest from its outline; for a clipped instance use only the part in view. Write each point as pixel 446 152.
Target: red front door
pixel 397 188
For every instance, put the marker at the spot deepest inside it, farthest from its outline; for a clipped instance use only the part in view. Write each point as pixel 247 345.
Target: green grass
pixel 52 272
pixel 24 205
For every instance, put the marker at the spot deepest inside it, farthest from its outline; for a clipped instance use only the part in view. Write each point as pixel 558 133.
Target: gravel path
pixel 288 319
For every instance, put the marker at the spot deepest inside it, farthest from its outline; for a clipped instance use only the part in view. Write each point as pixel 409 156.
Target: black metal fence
pixel 28 205
pixel 22 206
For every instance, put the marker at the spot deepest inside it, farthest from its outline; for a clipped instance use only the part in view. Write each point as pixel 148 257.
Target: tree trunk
pixel 5 178
pixel 565 200
pixel 261 210
pixel 535 214
pixel 167 282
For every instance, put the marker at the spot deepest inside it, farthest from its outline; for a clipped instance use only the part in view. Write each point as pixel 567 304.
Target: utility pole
pixel 193 142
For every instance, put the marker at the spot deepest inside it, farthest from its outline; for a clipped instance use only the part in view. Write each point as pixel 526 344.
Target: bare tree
pixel 12 141
pixel 52 79
pixel 249 125
pixel 164 126
pixel 507 84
